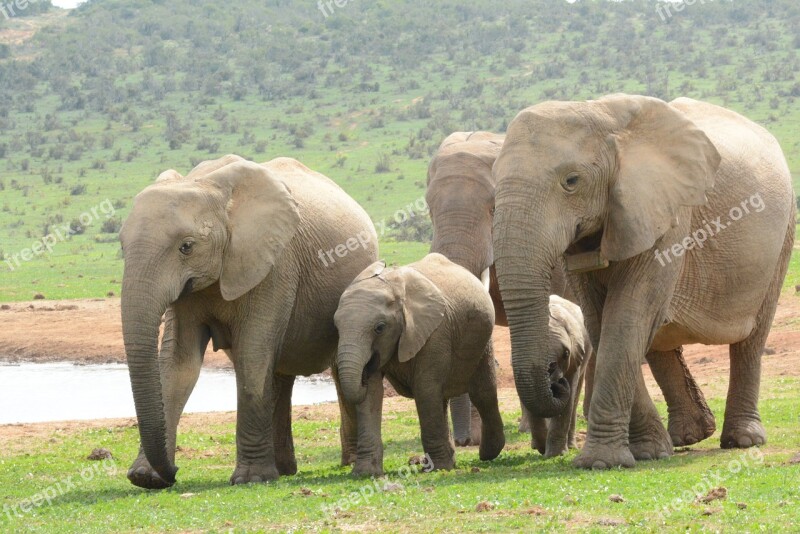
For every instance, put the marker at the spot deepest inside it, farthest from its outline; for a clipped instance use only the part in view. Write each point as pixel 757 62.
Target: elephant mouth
pixel 554 370
pixel 371 368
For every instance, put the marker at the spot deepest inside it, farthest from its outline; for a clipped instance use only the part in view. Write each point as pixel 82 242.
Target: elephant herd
pixel 661 224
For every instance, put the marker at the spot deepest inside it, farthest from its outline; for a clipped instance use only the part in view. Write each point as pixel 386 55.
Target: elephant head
pixel 460 197
pixel 385 314
pixel 609 176
pixel 568 341
pixel 225 223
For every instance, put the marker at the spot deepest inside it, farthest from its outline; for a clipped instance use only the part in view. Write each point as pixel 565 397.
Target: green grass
pixel 527 492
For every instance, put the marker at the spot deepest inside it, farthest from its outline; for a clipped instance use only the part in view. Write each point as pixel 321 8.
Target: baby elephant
pixel 426 327
pixel 570 351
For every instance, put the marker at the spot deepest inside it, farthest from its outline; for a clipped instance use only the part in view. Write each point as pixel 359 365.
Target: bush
pixel 384 164
pixel 78 189
pixel 111 226
pixel 76 228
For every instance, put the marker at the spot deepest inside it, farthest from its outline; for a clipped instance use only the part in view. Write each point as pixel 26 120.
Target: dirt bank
pixel 89 331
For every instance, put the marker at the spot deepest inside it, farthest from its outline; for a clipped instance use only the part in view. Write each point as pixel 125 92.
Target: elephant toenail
pixel 255 478
pixel 141 471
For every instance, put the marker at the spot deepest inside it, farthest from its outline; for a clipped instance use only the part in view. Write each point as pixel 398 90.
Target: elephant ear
pixel 262 219
pixel 373 270
pixel 423 310
pixel 664 161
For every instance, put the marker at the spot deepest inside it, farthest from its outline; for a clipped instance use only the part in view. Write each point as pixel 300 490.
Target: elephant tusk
pixel 485 279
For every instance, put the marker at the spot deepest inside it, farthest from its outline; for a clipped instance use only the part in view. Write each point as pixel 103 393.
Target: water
pixel 37 392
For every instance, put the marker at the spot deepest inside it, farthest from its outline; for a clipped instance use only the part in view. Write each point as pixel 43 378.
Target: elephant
pixel 570 349
pixel 639 194
pixel 240 254
pixel 426 327
pixel 461 198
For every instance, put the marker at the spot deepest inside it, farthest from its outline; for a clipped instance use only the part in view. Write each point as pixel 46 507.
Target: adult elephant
pixel 461 198
pixel 241 254
pixel 649 189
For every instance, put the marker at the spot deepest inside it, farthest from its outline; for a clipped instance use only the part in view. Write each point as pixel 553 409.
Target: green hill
pixel 96 102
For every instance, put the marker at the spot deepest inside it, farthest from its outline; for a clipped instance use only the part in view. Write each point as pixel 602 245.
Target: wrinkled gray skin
pixel 231 254
pixel 426 327
pixel 627 177
pixel 570 349
pixel 461 195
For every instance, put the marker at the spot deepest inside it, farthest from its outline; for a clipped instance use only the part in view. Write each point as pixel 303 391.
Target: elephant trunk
pixel 457 241
pixel 352 363
pixel 141 318
pixel 525 279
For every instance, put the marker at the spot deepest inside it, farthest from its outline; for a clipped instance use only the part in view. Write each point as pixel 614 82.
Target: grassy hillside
pixel 97 102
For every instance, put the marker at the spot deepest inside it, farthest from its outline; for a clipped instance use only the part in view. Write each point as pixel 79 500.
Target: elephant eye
pixel 566 354
pixel 380 327
pixel 571 182
pixel 492 211
pixel 186 248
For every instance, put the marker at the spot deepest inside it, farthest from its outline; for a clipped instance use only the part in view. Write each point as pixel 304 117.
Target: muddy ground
pixel 89 331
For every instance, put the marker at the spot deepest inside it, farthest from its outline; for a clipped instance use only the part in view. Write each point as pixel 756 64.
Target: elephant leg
pixel 483 393
pixel 524 419
pixel 589 379
pixel 369 455
pixel 572 442
pixel 633 311
pixel 461 414
pixel 690 418
pixel 348 431
pixel 282 425
pixel 648 439
pixel 180 364
pixel 432 413
pixel 538 434
pixel 742 427
pixel 255 449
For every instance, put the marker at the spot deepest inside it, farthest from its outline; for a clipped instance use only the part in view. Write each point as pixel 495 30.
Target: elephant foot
pixel 690 428
pixel 602 456
pixel 286 466
pixel 141 474
pixel 742 434
pixel 652 446
pixel 462 442
pixel 553 450
pixel 524 425
pixel 250 474
pixel 648 439
pixel 349 457
pixel 443 464
pixel 491 447
pixel 368 467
